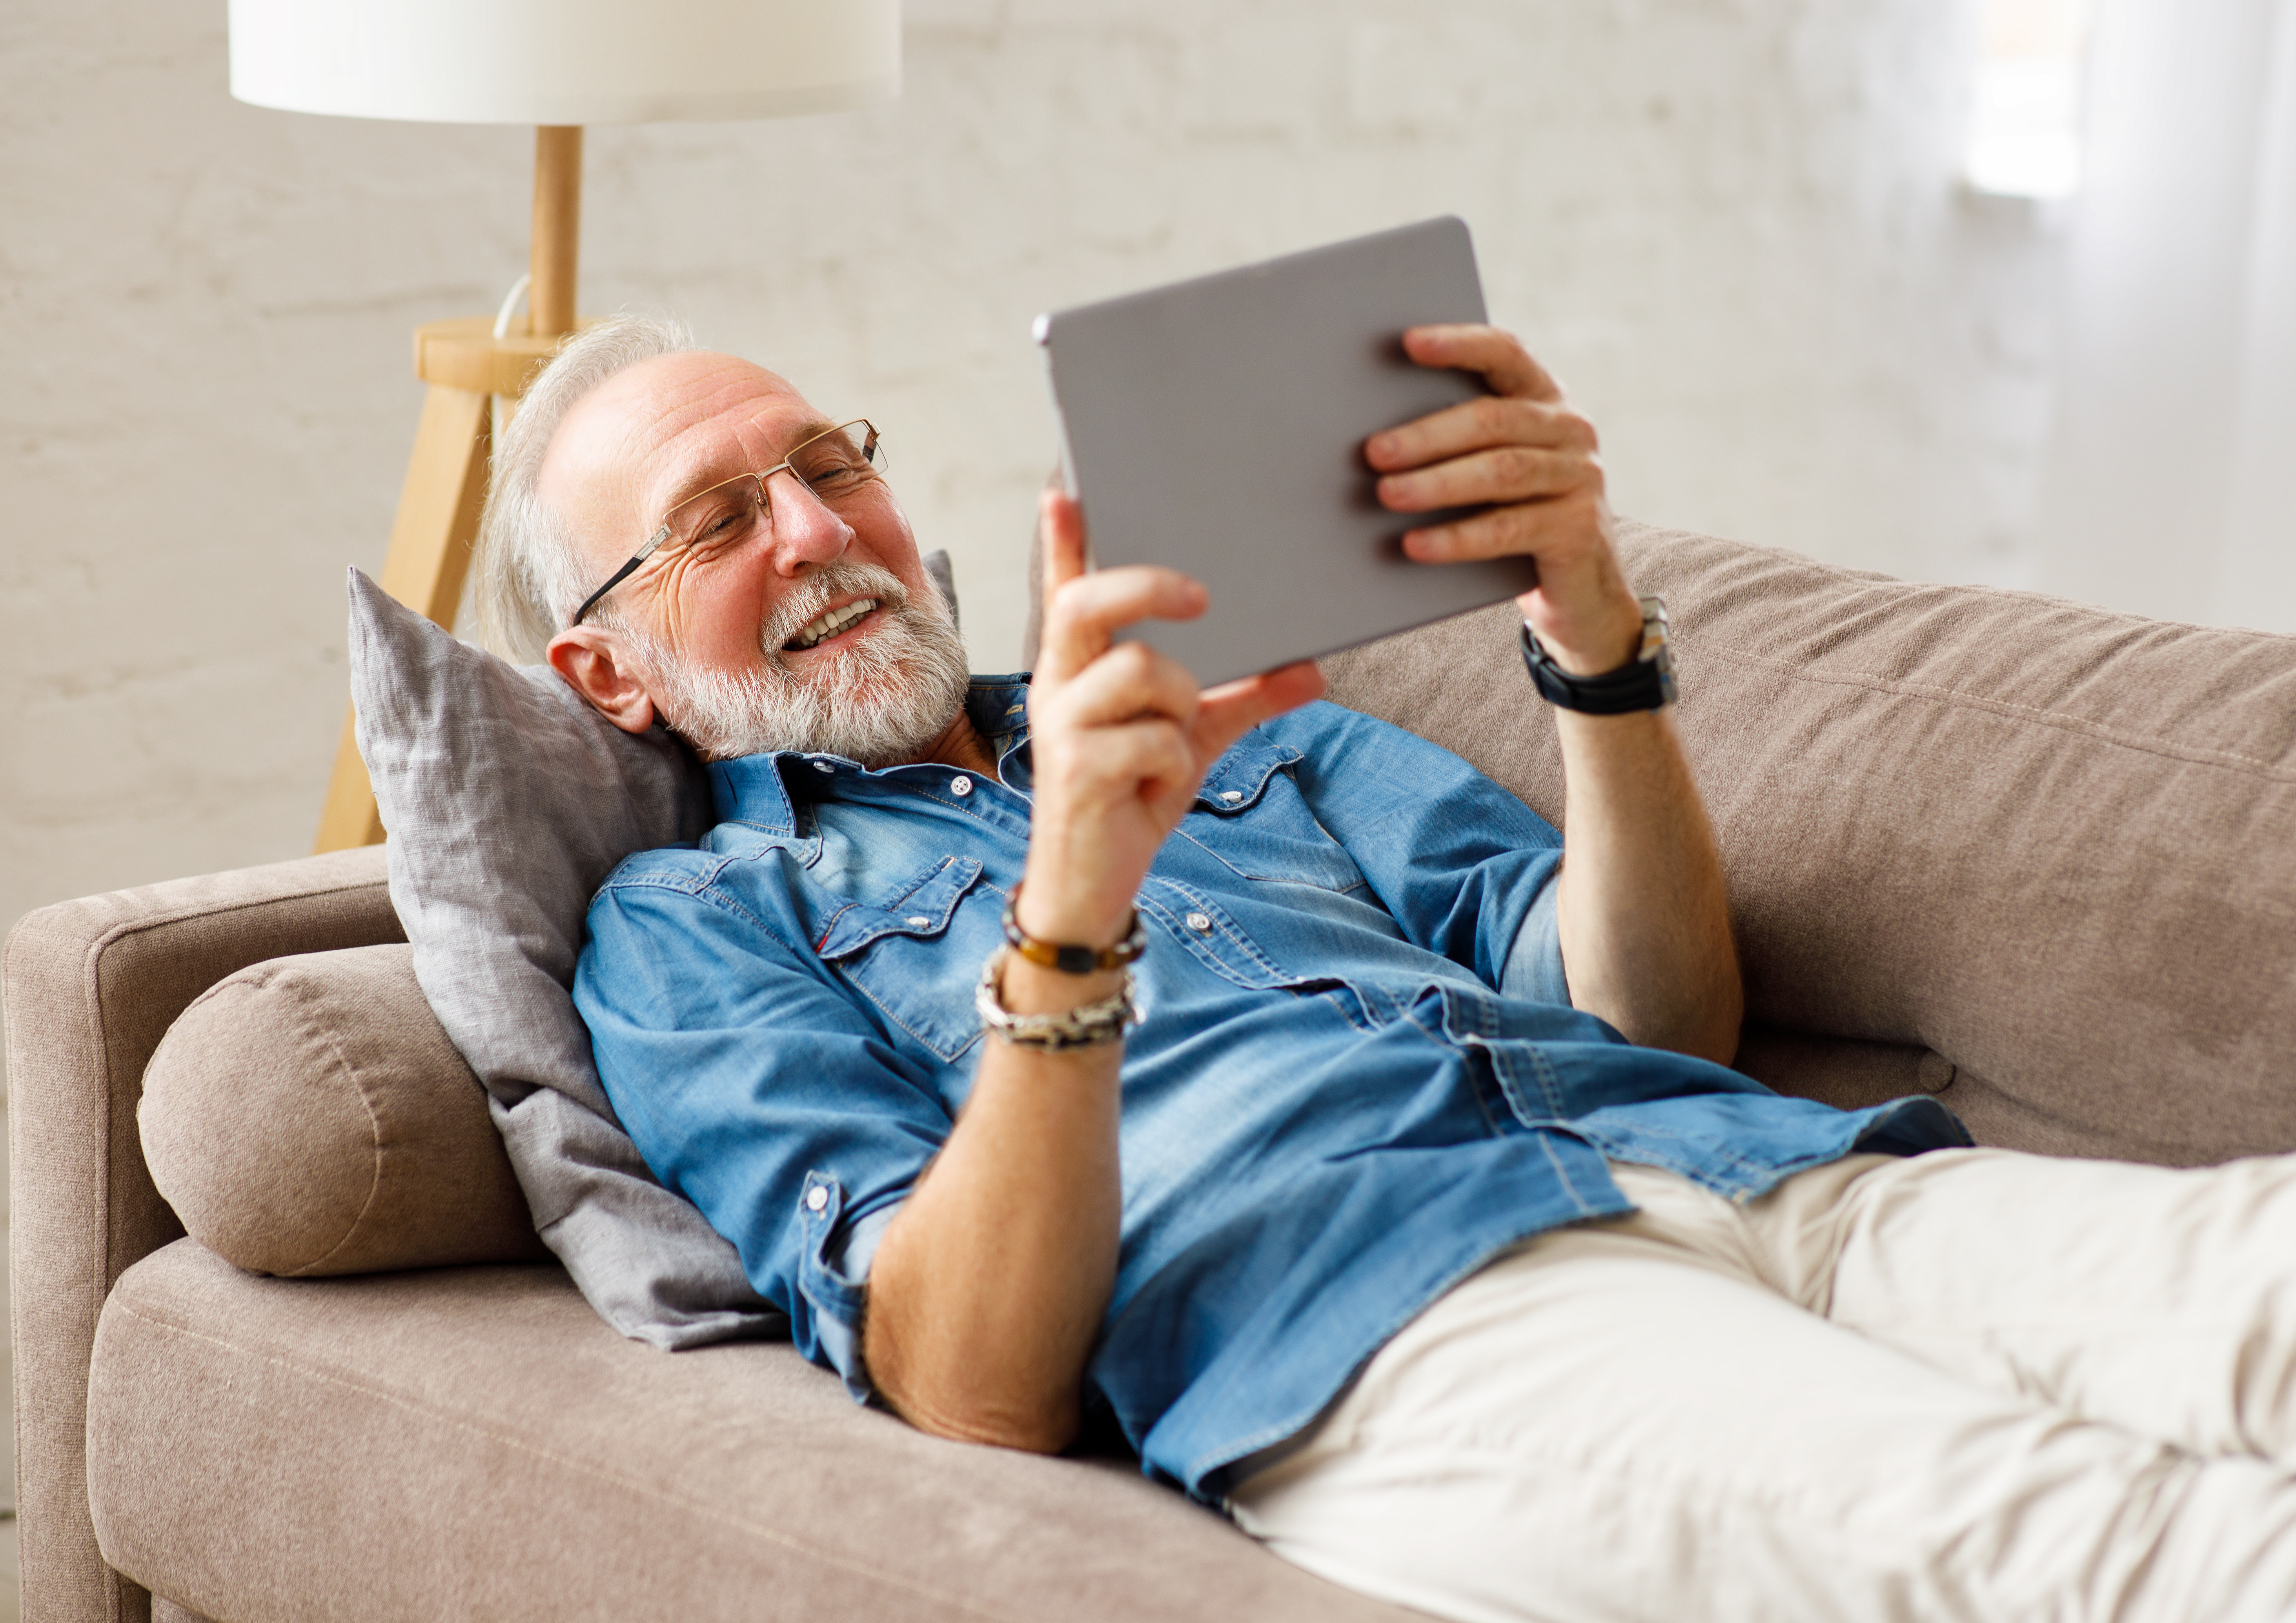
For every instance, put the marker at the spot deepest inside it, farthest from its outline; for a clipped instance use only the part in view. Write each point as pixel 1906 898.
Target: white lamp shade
pixel 564 62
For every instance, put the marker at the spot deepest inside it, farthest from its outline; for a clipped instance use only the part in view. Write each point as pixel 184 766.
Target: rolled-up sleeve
pixel 754 1085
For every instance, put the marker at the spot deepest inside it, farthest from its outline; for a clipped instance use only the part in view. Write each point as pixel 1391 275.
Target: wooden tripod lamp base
pixel 437 529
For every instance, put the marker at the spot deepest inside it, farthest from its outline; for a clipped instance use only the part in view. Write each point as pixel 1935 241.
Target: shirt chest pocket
pixel 917 953
pixel 1251 818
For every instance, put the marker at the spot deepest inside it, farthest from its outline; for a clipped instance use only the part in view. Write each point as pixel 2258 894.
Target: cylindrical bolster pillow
pixel 307 1116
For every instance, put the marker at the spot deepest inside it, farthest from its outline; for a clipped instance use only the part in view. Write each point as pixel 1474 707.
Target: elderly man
pixel 1262 1078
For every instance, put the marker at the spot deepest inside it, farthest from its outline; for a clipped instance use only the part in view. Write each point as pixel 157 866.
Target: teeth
pixel 830 623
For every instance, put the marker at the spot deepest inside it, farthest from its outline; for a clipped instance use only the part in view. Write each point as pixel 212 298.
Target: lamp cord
pixel 510 304
pixel 518 290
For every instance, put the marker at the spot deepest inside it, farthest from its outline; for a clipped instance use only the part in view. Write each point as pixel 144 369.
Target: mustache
pixel 811 597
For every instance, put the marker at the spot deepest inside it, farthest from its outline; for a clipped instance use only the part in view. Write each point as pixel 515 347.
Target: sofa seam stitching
pixel 2229 760
pixel 133 927
pixel 334 1041
pixel 92 1003
pixel 601 1474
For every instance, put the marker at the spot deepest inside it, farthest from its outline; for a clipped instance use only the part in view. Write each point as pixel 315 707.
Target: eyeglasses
pixel 836 464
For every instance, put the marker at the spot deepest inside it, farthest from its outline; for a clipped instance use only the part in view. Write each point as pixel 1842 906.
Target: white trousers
pixel 1973 1384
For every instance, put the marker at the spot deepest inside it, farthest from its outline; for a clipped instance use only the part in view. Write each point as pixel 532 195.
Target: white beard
pixel 880 701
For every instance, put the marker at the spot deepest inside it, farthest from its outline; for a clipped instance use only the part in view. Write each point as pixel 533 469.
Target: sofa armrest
pixel 90 988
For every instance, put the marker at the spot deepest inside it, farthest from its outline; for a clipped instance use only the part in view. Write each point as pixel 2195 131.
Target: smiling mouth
pixel 829 625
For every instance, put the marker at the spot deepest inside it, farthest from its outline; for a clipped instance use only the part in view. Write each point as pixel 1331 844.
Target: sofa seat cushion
pixel 476 1442
pixel 307 1116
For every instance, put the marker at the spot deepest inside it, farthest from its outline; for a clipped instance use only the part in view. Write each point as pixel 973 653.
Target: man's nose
pixel 805 530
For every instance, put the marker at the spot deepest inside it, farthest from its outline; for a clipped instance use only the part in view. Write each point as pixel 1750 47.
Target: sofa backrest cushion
pixel 2052 844
pixel 307 1116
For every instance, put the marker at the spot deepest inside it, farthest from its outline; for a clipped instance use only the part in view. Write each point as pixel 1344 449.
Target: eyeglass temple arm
pixel 621 575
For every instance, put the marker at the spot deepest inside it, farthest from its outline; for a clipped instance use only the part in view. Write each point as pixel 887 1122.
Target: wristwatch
pixel 1643 682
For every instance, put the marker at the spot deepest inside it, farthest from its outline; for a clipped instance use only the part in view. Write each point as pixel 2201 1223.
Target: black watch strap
pixel 1643 682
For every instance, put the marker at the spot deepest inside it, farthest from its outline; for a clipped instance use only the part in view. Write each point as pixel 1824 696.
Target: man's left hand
pixel 1523 453
pixel 1644 915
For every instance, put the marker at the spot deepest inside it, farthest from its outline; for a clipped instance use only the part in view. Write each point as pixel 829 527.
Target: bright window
pixel 2024 137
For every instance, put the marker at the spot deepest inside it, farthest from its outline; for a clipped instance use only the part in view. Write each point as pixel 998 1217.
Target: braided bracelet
pixel 1086 1025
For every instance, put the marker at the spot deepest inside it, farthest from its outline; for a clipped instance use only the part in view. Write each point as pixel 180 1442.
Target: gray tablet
pixel 1217 426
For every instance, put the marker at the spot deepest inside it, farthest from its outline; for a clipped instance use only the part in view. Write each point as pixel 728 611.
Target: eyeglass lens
pixel 833 465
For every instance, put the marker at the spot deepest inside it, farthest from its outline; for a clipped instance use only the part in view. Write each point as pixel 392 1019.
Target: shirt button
pixel 917 921
pixel 960 784
pixel 817 1197
pixel 1231 795
pixel 824 767
pixel 1201 922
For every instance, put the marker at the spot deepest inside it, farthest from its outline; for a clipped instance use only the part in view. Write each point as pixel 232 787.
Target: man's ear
pixel 601 667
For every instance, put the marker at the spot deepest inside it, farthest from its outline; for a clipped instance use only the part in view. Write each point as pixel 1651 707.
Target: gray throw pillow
pixel 507 800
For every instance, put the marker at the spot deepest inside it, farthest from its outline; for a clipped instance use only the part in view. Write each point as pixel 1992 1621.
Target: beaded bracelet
pixel 1073 959
pixel 1086 1025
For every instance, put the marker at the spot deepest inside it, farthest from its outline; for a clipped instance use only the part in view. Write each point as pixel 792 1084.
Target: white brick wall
pixel 1731 224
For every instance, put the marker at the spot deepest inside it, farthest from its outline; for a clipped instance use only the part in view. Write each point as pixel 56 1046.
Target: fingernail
pixel 1382 444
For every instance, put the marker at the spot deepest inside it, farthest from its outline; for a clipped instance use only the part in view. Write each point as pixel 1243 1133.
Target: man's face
pixel 726 634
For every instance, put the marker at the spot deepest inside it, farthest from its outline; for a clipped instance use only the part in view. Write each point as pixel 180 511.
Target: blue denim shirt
pixel 1358 1077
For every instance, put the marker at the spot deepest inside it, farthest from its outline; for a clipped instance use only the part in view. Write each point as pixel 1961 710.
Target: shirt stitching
pixel 948 1055
pixel 829 929
pixel 1275 975
pixel 1279 879
pixel 1562 1173
pixel 625 878
pixel 717 896
pixel 1732 1160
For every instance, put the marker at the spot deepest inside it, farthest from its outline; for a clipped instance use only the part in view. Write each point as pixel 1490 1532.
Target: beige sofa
pixel 2035 858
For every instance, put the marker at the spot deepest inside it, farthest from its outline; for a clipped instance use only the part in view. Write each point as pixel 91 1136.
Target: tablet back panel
pixel 1217 426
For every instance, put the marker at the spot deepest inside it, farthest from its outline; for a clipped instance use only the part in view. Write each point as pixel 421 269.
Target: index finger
pixel 1505 364
pixel 1060 524
pixel 1081 623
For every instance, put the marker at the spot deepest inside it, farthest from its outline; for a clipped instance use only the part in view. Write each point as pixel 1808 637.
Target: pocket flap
pixel 1240 777
pixel 923 909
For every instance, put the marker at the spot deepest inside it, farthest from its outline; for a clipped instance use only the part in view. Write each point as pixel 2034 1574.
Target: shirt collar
pixel 761 791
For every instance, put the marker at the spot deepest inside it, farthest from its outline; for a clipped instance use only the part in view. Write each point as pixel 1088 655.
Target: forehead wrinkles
pixel 734 432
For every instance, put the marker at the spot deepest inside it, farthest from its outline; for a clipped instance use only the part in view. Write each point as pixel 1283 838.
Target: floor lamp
pixel 558 65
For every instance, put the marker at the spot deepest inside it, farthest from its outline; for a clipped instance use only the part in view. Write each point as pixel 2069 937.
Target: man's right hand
pixel 1121 737
pixel 988 1290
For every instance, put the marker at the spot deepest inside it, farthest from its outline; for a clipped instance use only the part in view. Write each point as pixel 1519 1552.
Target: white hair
pixel 531 573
